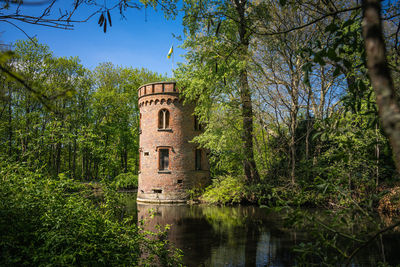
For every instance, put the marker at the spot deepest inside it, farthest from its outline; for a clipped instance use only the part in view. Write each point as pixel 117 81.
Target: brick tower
pixel 169 164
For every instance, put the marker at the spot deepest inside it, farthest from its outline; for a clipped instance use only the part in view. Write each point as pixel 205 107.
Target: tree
pixel 56 14
pixel 62 16
pixel 89 131
pixel 380 76
pixel 219 40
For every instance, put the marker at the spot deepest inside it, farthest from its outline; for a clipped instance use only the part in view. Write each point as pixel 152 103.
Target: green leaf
pixel 348 23
pixel 332 54
pixel 337 71
pixel 332 27
pixel 318 59
pixel 347 64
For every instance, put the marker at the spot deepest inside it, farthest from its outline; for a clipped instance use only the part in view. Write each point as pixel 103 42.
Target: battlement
pixel 157 88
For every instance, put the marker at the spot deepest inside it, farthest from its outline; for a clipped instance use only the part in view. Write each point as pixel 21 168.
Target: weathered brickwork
pixel 171 184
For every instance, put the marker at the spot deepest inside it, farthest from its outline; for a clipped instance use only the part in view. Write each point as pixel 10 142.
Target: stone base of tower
pixel 164 197
pixel 172 188
pixel 161 201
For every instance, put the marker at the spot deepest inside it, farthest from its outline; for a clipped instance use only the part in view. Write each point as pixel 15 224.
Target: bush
pixel 53 222
pixel 126 181
pixel 225 190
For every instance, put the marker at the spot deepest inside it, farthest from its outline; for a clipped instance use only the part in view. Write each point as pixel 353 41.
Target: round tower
pixel 169 164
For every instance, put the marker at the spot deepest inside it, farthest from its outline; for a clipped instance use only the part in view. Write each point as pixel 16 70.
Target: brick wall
pixel 181 174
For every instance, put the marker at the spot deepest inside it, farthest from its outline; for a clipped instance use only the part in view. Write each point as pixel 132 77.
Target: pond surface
pixel 239 236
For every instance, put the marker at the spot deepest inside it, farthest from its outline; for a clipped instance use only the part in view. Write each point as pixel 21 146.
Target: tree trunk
pixel 74 160
pixel 293 126
pixel 58 157
pixel 379 73
pixel 10 132
pixel 83 175
pixel 249 164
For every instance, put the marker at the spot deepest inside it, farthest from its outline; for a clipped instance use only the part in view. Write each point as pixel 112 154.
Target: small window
pixel 146 153
pixel 139 159
pixel 163 119
pixel 140 123
pixel 157 191
pixel 198 159
pixel 164 159
pixel 179 181
pixel 197 125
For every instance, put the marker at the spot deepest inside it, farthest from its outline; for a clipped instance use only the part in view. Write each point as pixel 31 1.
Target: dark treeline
pixel 78 122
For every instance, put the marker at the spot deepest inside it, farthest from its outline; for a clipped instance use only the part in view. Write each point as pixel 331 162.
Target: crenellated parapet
pixel 158 88
pixel 160 93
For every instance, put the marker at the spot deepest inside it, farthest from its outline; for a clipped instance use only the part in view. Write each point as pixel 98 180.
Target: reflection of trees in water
pixel 214 236
pixel 255 236
pixel 211 236
pixel 337 237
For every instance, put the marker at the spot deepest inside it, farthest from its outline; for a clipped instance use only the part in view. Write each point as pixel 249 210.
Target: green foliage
pixel 222 138
pixel 126 181
pixel 55 222
pixel 225 190
pixel 78 122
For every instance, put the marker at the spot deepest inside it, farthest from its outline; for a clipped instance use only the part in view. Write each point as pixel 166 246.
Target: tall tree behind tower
pixel 219 39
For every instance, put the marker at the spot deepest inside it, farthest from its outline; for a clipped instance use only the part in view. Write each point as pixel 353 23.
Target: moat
pixel 239 235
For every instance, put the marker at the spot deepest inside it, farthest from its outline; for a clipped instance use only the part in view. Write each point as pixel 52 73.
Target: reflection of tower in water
pixel 187 227
pixel 155 217
pixel 221 236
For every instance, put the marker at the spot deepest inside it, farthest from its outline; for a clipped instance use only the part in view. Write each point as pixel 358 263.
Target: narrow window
pixel 140 123
pixel 198 159
pixel 164 159
pixel 197 125
pixel 139 159
pixel 163 119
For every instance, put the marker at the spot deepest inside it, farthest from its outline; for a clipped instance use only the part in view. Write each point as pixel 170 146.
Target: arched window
pixel 163 119
pixel 140 123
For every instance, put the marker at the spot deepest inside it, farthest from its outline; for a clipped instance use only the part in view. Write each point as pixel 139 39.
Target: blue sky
pixel 137 41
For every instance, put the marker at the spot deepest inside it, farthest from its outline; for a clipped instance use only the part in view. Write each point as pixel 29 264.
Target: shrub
pixel 53 222
pixel 225 190
pixel 126 181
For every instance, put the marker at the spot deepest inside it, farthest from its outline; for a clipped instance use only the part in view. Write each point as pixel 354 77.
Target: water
pixel 241 236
